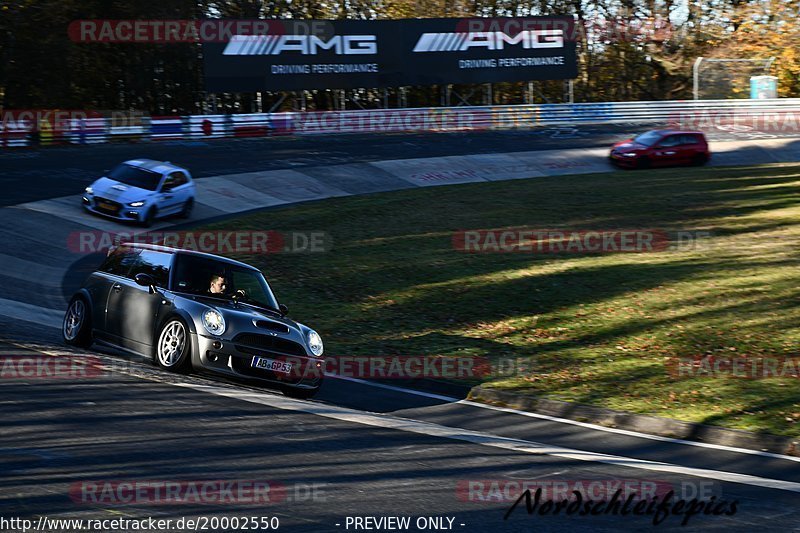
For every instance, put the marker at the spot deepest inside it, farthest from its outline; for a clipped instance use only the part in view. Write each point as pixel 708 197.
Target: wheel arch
pixel 84 294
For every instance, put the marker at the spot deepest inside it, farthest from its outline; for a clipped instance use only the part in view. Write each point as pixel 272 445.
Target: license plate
pixel 271 364
pixel 106 206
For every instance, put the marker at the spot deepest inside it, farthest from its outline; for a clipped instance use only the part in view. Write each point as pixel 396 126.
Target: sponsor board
pixel 393 53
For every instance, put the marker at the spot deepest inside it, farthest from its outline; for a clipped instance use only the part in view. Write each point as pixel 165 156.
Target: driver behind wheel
pixel 218 284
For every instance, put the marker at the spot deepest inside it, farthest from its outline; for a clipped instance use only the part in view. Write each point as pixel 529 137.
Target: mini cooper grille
pixel 253 343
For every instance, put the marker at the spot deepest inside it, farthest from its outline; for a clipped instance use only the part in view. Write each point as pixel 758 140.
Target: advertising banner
pixel 346 54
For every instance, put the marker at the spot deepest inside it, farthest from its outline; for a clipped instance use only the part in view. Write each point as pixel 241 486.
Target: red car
pixel 661 148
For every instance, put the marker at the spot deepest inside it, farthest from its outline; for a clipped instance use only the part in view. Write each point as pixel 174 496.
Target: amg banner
pixel 347 54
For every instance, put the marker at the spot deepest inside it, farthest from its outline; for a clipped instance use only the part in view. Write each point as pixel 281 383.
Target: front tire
pixel 150 217
pixel 643 163
pixel 173 349
pixel 77 327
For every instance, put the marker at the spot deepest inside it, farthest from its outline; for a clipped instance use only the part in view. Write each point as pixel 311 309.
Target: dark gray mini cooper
pixel 195 310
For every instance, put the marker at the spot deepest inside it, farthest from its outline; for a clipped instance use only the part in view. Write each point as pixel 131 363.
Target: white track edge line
pixel 626 432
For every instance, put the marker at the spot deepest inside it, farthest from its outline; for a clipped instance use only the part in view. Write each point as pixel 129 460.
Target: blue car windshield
pixel 648 138
pixel 135 177
pixel 195 274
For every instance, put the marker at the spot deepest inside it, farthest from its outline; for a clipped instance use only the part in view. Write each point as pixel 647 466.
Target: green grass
pixel 598 329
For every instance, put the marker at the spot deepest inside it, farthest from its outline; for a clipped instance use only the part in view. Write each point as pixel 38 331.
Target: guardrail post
pixel 696 78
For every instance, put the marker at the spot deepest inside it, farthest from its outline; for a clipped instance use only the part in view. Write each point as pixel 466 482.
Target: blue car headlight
pixel 314 342
pixel 89 190
pixel 138 203
pixel 213 322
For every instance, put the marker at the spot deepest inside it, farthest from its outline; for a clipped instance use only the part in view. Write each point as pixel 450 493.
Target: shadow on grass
pixel 393 284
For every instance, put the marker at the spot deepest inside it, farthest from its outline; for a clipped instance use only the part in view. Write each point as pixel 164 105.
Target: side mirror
pixel 146 280
pixel 283 309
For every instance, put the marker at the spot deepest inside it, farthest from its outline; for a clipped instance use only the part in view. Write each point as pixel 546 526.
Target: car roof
pixel 170 250
pixel 673 132
pixel 162 167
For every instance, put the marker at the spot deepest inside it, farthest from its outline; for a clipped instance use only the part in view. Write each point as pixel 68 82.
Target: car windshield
pixel 648 138
pixel 135 176
pixel 205 276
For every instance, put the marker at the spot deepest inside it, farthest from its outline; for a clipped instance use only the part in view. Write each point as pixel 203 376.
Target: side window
pixel 153 263
pixel 688 139
pixel 169 183
pixel 119 261
pixel 174 179
pixel 667 142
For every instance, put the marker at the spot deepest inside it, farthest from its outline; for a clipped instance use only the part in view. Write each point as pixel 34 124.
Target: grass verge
pixel 597 329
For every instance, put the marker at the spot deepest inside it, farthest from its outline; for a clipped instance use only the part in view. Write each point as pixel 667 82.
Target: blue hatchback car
pixel 141 190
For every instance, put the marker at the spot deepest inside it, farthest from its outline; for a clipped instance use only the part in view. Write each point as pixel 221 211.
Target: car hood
pixel 628 146
pixel 229 308
pixel 119 192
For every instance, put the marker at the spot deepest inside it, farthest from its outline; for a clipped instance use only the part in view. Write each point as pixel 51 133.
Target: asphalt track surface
pixel 370 450
pixel 62 170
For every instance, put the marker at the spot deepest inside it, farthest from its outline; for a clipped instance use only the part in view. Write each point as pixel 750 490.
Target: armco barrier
pixel 87 131
pixel 208 126
pixel 252 125
pixel 701 114
pixel 14 133
pixel 166 128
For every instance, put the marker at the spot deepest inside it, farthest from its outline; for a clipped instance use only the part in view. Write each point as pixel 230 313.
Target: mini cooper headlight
pixel 314 342
pixel 140 203
pixel 213 322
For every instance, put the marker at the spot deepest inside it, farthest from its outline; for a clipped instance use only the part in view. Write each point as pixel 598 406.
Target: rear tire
pixel 699 160
pixel 187 208
pixel 77 327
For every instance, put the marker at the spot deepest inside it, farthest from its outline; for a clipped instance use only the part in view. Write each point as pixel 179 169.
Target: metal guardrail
pixel 681 114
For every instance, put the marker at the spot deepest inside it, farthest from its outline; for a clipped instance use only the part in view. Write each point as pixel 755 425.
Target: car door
pixel 691 148
pixel 666 151
pixel 101 284
pixel 174 193
pixel 183 188
pixel 132 309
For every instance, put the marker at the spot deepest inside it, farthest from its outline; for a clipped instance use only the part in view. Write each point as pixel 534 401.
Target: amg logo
pixel 490 40
pixel 262 45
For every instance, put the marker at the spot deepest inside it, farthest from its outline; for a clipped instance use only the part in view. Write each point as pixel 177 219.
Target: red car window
pixel 669 141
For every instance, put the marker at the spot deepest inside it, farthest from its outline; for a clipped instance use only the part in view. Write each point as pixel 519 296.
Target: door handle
pixel 116 287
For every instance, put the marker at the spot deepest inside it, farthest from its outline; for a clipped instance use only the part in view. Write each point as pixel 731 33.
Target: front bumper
pixel 118 212
pixel 223 356
pixel 622 161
